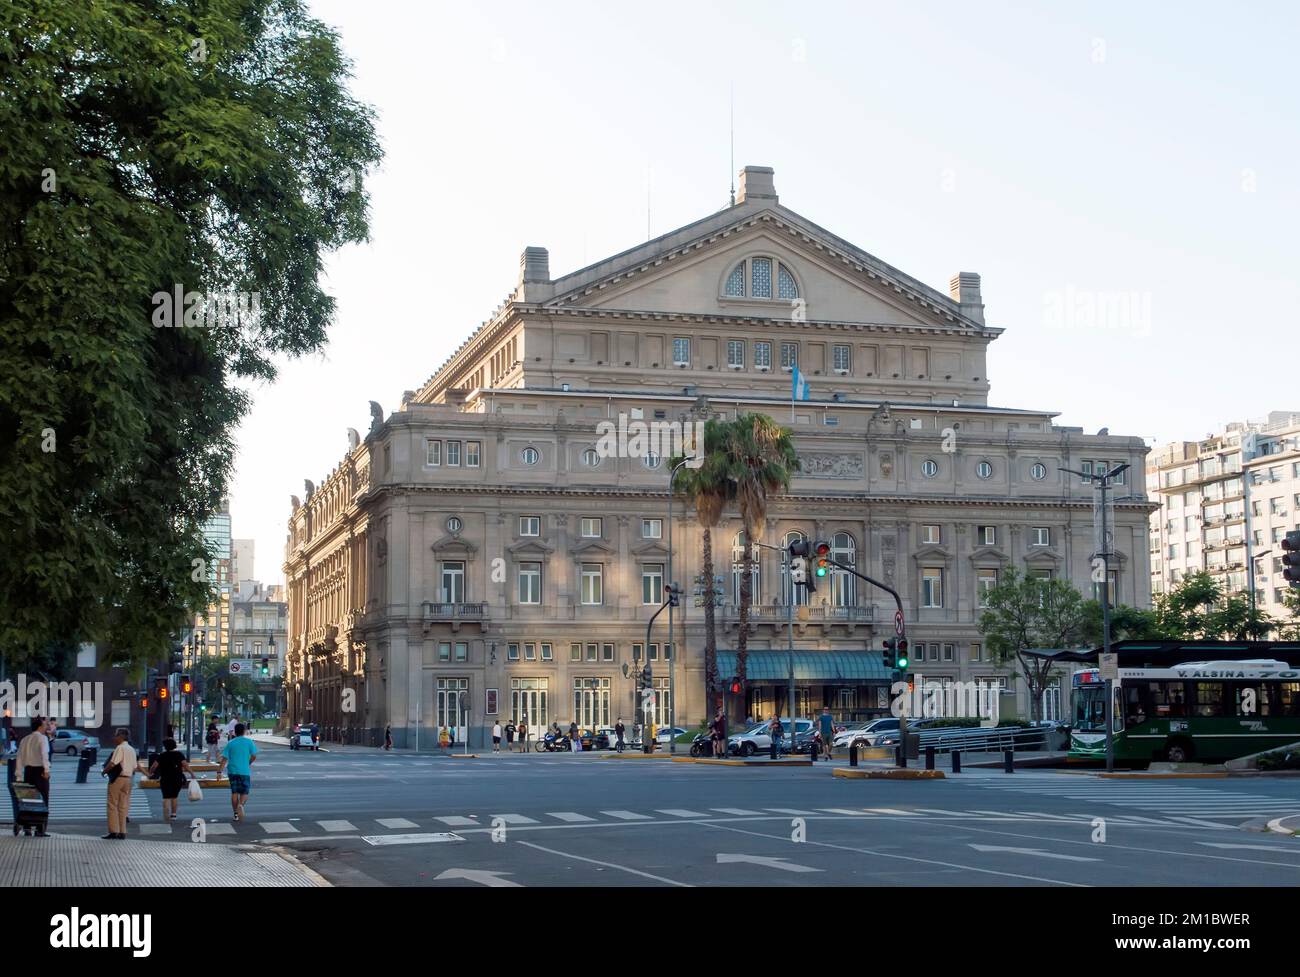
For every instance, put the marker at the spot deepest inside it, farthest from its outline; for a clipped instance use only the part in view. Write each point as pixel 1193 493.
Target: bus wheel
pixel 1179 751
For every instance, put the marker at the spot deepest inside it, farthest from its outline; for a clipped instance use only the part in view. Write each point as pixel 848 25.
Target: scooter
pixel 550 743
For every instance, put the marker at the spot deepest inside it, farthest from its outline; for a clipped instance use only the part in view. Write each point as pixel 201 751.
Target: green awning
pixel 831 667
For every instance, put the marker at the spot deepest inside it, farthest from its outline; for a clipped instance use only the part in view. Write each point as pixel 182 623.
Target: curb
pixel 744 763
pixel 317 879
pixel 1163 776
pixel 891 773
pixel 462 756
pixel 1277 825
pixel 643 756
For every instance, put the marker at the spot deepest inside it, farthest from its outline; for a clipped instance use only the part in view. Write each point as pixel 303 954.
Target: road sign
pixel 241 667
pixel 898 623
pixel 1109 667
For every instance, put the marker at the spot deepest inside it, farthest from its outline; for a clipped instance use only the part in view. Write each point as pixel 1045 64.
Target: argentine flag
pixel 800 389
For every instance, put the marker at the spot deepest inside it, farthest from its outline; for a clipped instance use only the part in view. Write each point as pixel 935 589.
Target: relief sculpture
pixel 830 465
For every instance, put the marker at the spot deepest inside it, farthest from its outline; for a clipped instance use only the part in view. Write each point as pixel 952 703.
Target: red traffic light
pixel 736 687
pixel 823 550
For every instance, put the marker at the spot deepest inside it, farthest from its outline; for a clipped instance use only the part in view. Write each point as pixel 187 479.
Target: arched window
pixel 737 568
pixel 844 586
pixel 800 593
pixel 752 278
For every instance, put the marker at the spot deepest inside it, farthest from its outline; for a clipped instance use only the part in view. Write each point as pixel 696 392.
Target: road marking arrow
pixel 1221 844
pixel 1035 851
pixel 770 862
pixel 481 877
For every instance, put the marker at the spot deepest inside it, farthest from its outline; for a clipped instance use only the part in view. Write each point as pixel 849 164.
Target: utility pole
pixel 672 664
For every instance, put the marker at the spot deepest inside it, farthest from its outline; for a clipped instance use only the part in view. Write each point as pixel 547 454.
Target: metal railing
pixel 803 613
pixel 976 739
pixel 442 611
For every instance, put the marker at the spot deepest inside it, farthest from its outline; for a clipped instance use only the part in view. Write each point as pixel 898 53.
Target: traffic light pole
pixel 647 741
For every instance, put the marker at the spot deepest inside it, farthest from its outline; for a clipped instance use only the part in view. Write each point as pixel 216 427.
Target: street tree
pixel 173 175
pixel 1024 612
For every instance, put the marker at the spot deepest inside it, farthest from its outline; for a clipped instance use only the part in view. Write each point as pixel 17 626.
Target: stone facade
pixel 476 540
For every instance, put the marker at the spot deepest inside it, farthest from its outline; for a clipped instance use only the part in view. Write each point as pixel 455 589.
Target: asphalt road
pixel 395 819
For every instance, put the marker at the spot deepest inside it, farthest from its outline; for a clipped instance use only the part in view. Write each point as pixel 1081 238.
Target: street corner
pixel 852 773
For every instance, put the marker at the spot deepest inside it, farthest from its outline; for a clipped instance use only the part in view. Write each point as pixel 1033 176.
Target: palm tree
pixel 760 460
pixel 708 489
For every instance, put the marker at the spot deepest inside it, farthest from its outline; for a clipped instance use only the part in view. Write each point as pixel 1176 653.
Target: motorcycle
pixel 550 743
pixel 702 745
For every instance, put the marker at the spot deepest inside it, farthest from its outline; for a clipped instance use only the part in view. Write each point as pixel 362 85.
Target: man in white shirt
pixel 34 762
pixel 230 727
pixel 119 787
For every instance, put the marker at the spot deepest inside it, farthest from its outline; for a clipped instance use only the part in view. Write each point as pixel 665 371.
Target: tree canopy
pixel 206 151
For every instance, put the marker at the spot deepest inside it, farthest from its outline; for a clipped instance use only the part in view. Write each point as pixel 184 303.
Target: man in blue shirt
pixel 827 726
pixel 239 754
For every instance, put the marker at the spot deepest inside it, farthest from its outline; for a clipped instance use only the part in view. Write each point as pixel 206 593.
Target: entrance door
pixel 528 697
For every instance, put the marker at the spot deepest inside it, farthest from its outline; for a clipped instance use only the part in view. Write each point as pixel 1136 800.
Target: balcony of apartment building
pixel 777 615
pixel 455 613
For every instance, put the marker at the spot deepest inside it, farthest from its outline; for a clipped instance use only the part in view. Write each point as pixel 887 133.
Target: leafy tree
pixel 1198 609
pixel 708 488
pixel 1025 612
pixel 760 460
pixel 240 692
pixel 151 146
pixel 1126 623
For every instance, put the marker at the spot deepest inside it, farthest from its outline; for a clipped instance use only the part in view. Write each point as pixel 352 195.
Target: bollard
pixel 84 762
pixel 956 761
pixel 1008 761
pixel 853 755
pixel 929 758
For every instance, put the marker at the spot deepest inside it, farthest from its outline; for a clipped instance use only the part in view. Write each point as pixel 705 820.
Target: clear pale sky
pixel 1066 152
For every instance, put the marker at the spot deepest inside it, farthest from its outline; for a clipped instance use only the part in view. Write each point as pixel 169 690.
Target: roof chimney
pixel 534 276
pixel 964 287
pixel 756 184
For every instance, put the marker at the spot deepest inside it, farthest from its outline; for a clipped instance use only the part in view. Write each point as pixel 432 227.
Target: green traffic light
pixel 902 661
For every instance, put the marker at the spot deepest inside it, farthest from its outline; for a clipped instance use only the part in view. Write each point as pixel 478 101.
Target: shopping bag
pixel 195 791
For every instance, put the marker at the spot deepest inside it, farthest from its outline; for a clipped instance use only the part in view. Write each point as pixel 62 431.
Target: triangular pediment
pixel 686 273
pixel 454 544
pixel 988 556
pixel 1042 555
pixel 651 550
pixel 590 546
pixel 931 552
pixel 530 547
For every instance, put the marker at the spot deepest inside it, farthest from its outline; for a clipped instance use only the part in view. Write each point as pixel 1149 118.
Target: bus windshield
pixel 1090 709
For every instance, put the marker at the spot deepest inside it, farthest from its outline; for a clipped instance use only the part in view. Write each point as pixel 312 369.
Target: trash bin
pixel 89 755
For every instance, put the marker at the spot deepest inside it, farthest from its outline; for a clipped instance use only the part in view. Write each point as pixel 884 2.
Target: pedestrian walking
pixel 510 736
pixel 34 763
pixel 120 770
pixel 575 744
pixel 213 741
pixel 619 730
pixel 523 733
pixel 827 730
pixel 170 768
pixel 774 737
pixel 239 755
pixel 496 737
pixel 388 736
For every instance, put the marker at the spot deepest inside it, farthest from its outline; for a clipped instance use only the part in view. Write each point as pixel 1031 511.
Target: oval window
pixel 929 468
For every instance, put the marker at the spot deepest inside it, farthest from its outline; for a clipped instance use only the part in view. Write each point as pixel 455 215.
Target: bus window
pixel 1175 705
pixel 1289 699
pixel 1263 703
pixel 1209 699
pixel 1138 705
pixel 1117 710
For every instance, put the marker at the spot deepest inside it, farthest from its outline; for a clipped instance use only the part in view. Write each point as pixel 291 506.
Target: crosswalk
pixel 446 825
pixel 1181 804
pixel 89 802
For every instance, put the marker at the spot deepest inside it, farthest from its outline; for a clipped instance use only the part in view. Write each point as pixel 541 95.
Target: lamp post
pixel 1250 567
pixel 1103 483
pixel 672 660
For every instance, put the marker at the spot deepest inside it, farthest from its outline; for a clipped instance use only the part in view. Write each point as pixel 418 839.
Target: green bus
pixel 1230 701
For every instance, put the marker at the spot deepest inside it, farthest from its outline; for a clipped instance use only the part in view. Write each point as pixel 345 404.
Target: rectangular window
pixel 592 583
pixel 789 355
pixel 949 652
pixel 840 357
pixel 473 451
pixel 462 651
pixel 763 355
pixel 530 651
pixel 453 582
pixel 976 652
pixel 1041 536
pixel 453 454
pixel 575 652
pixel 591 528
pixel 929 534
pixel 932 587
pixel 530 525
pixel 988 535
pixel 985 581
pixel 652 528
pixel 652 584
pixel 735 353
pixel 1086 468
pixel 682 351
pixel 530 583
pixel 512 652
pixel 433 453
pixel 444 651
pixel 546 652
pixel 1210 700
pixel 592 651
pixel 607 652
pixel 1173 551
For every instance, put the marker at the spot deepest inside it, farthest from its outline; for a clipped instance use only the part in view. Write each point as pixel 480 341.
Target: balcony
pixel 778 614
pixel 455 614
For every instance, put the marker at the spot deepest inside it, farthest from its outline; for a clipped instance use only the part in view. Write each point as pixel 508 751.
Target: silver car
pixel 72 741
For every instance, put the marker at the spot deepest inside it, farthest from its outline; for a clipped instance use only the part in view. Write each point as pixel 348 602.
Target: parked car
pixel 889 737
pixel 856 734
pixel 756 739
pixel 71 741
pixel 666 734
pixel 606 737
pixel 302 738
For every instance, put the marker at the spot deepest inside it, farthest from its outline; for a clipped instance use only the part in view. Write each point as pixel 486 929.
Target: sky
pixel 1123 177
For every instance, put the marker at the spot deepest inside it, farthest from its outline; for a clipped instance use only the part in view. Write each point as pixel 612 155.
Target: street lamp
pixel 1250 568
pixel 1103 482
pixel 672 660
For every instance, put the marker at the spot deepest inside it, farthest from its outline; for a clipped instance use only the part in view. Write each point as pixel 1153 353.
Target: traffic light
pixel 736 686
pixel 144 703
pixel 645 676
pixel 889 653
pixel 177 659
pixel 203 707
pixel 187 686
pixel 1291 558
pixel 161 690
pixel 266 666
pixel 900 646
pixel 672 597
pixel 822 553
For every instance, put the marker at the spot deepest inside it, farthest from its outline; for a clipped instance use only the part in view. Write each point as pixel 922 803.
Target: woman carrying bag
pixel 170 768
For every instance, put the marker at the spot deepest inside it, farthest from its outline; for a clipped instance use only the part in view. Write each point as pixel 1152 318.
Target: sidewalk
pixel 70 860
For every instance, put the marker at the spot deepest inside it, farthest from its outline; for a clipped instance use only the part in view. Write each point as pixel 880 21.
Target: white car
pixel 865 734
pixel 755 739
pixel 666 734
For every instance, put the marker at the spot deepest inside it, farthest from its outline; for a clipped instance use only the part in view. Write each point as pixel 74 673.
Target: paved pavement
pixel 372 818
